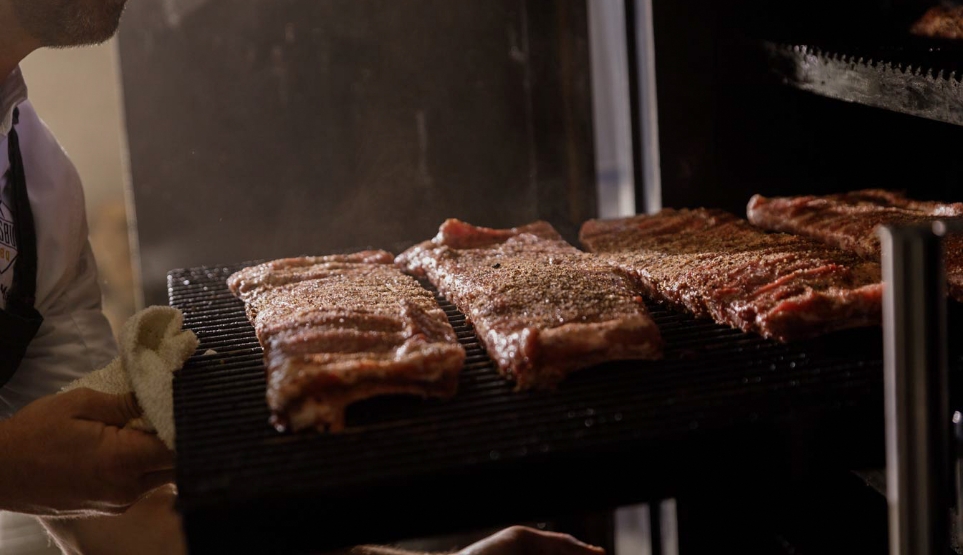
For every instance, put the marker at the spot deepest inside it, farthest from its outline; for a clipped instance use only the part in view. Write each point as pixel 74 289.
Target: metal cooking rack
pixel 722 405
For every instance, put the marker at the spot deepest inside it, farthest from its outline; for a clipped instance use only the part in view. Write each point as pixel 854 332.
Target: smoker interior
pixel 737 115
pixel 723 407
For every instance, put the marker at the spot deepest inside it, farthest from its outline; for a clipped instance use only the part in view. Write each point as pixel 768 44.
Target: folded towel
pixel 153 346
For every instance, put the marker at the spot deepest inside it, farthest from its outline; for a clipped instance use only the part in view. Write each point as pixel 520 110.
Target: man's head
pixel 63 23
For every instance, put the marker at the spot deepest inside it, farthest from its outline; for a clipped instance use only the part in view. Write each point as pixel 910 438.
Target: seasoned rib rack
pixel 722 406
pixel 542 308
pixel 714 264
pixel 849 221
pixel 339 329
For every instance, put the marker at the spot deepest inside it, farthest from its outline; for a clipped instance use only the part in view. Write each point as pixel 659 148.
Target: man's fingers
pixel 150 482
pixel 114 410
pixel 529 541
pixel 145 453
pixel 554 543
pixel 128 407
pixel 566 546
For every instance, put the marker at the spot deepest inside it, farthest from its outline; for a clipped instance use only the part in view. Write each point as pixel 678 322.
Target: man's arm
pixel 151 525
pixel 68 455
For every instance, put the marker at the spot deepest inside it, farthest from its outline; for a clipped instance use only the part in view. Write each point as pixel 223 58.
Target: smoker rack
pixel 721 404
pixel 911 75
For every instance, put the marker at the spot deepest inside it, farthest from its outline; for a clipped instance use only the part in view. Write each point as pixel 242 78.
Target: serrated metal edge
pixel 934 73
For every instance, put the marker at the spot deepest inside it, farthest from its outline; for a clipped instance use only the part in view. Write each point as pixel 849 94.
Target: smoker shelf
pixel 919 77
pixel 723 407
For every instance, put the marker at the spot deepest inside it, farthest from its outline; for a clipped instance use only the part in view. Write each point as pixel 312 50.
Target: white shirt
pixel 75 337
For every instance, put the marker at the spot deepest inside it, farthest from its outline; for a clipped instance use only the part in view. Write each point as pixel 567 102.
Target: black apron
pixel 20 321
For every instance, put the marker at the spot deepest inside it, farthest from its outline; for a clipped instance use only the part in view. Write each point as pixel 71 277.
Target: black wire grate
pixel 612 424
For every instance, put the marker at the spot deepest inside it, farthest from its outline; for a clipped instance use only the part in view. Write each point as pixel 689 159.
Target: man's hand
pixel 149 527
pixel 69 455
pixel 519 540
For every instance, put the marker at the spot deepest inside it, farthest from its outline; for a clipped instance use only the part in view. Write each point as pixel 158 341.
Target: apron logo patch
pixel 8 239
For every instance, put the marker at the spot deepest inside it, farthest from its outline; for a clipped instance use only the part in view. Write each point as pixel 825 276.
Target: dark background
pixel 729 128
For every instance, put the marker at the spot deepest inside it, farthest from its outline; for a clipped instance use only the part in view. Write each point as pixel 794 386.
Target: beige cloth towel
pixel 153 346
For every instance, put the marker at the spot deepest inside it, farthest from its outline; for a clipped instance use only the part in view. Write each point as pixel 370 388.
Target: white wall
pixel 77 93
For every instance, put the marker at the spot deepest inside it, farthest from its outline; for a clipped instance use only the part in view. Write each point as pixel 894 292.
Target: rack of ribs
pixel 716 265
pixel 541 307
pixel 339 329
pixel 849 221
